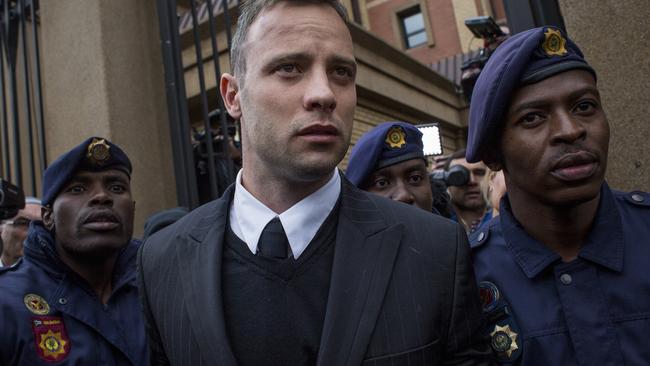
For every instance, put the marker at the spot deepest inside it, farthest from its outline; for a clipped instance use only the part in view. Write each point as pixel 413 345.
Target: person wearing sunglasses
pixel 14 231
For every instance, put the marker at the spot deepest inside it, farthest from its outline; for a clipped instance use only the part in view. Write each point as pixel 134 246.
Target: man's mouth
pixel 575 166
pixel 101 221
pixel 319 133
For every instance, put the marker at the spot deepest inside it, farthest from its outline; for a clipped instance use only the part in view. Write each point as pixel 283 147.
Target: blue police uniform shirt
pixel 594 310
pixel 49 315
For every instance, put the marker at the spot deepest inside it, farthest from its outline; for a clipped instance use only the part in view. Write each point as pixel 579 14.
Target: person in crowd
pixel 496 189
pixel 563 269
pixel 72 299
pixel 294 265
pixel 389 161
pixel 469 206
pixel 14 231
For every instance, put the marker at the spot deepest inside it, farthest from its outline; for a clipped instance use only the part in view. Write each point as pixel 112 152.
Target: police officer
pixel 72 299
pixel 563 270
pixel 389 161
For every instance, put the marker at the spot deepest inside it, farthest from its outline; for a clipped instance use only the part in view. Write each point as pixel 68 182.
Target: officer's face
pixel 93 215
pixel 555 139
pixel 406 182
pixel 297 103
pixel 469 196
pixel 14 231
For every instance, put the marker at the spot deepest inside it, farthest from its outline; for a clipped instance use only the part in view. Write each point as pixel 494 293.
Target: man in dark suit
pixel 294 265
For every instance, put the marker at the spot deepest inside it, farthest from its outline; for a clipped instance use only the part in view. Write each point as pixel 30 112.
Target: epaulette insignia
pixel 554 44
pixel 396 137
pixel 98 152
pixel 638 198
pixel 52 341
pixel 36 304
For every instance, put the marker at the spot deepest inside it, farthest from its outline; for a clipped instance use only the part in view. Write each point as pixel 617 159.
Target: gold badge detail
pixel 36 304
pixel 98 151
pixel 554 44
pixel 52 345
pixel 504 341
pixel 396 137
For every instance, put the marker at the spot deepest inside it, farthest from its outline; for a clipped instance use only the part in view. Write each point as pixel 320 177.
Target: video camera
pixel 12 200
pixel 440 180
pixel 486 28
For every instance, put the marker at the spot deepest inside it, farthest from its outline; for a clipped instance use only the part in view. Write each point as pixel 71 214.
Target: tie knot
pixel 273 241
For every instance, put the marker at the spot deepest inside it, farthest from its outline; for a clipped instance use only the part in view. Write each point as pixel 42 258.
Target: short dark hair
pixel 455 155
pixel 248 12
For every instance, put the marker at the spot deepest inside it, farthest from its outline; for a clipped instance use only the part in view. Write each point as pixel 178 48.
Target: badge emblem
pixel 396 137
pixel 98 151
pixel 36 304
pixel 504 341
pixel 554 44
pixel 489 295
pixel 52 342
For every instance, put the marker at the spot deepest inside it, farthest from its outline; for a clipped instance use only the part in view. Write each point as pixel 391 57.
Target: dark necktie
pixel 273 241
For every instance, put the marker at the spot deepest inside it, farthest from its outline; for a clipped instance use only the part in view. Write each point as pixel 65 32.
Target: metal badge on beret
pixel 554 44
pixel 396 137
pixel 36 304
pixel 98 152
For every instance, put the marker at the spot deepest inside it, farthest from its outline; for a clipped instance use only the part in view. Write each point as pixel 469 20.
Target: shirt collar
pixel 604 243
pixel 249 216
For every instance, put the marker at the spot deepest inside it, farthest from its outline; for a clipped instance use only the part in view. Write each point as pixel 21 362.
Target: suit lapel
pixel 366 247
pixel 199 257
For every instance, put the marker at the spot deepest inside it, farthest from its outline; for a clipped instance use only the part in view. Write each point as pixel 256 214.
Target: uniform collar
pixel 604 244
pixel 249 216
pixel 39 247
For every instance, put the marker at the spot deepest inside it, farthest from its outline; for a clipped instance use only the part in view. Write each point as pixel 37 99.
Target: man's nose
pixel 101 196
pixel 567 128
pixel 402 194
pixel 319 93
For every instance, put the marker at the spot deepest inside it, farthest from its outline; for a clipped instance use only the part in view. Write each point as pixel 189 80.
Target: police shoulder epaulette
pixel 479 237
pixel 638 198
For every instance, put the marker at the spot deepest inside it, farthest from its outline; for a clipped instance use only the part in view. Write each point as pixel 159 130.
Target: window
pixel 412 22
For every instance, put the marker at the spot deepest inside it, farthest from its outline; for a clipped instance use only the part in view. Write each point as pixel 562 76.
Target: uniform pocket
pixel 422 355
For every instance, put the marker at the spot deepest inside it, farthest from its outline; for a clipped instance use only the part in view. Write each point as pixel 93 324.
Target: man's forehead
pixel 307 20
pixel 108 173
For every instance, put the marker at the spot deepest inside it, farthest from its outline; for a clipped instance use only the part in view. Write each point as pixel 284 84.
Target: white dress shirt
pixel 249 216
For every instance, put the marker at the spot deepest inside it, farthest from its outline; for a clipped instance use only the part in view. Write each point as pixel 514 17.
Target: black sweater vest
pixel 275 309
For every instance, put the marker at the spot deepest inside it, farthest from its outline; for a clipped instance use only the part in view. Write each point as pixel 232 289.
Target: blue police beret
pixel 94 154
pixel 525 58
pixel 387 144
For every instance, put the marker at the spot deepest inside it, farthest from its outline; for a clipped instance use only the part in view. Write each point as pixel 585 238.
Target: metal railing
pixel 20 95
pixel 200 148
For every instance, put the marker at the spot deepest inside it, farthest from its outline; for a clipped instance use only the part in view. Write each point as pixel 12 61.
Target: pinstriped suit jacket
pixel 402 289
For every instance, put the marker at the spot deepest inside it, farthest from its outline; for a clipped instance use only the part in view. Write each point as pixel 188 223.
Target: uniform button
pixel 566 279
pixel 63 301
pixel 637 197
pixel 481 236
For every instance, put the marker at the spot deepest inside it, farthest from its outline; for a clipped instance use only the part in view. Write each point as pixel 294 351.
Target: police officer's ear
pixel 46 217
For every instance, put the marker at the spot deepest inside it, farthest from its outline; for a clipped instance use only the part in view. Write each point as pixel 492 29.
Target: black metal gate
pixel 21 122
pixel 202 135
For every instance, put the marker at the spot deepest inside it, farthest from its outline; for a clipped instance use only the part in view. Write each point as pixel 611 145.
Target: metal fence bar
pixel 21 12
pixel 40 127
pixel 6 168
pixel 204 103
pixel 12 40
pixel 225 142
pixel 186 187
pixel 226 17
